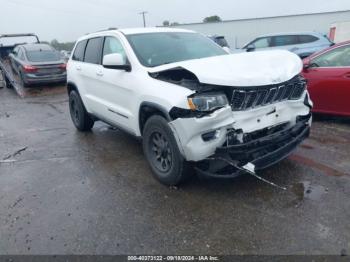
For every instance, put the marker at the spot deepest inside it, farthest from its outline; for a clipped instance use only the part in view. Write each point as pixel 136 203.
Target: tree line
pixel 67 46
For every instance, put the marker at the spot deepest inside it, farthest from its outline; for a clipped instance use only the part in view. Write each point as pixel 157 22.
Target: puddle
pixel 305 190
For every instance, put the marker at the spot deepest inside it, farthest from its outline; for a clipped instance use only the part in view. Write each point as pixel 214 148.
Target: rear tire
pixel 80 117
pixel 163 155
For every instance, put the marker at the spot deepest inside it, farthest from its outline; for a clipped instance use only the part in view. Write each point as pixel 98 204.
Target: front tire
pixel 80 117
pixel 162 152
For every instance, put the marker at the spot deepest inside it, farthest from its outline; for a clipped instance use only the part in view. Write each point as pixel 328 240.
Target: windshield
pixel 154 49
pixel 43 56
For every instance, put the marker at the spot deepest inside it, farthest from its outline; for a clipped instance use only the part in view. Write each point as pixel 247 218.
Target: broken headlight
pixel 207 102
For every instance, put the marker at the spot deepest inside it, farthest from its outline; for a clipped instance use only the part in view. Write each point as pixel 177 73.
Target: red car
pixel 328 75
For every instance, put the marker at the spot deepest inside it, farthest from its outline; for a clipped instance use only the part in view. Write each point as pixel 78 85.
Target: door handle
pixel 99 73
pixel 78 68
pixel 347 75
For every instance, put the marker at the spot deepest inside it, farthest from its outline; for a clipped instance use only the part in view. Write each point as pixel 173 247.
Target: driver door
pixel 329 81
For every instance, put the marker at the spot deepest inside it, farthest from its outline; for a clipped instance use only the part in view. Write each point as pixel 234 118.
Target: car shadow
pixel 331 119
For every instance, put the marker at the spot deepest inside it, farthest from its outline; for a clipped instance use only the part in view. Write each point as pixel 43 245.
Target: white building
pixel 241 31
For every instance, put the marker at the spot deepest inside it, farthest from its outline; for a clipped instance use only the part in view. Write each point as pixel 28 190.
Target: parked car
pixel 37 64
pixel 220 40
pixel 328 76
pixel 192 103
pixel 303 44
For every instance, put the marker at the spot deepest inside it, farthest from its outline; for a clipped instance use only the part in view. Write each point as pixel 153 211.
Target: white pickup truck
pixel 191 102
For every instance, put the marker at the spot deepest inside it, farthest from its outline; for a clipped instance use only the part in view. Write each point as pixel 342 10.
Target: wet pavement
pixel 63 192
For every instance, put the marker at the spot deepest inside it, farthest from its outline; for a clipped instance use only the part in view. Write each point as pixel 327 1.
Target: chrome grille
pixel 252 97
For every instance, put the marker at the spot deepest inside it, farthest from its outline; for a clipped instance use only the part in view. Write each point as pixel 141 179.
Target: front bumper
pixel 262 152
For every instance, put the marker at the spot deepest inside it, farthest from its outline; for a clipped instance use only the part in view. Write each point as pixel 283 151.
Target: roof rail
pixel 103 30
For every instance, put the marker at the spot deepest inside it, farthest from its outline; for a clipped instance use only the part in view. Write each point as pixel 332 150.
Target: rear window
pixel 43 56
pixel 79 51
pixel 304 39
pixel 93 52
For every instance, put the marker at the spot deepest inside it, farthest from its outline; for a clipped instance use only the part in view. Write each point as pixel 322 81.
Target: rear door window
pixel 284 40
pixel 304 39
pixel 93 52
pixel 79 51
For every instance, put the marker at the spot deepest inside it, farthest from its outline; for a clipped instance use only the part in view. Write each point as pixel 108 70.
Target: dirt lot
pixel 64 192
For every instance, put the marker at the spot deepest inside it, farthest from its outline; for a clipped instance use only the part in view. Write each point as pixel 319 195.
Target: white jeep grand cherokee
pixel 192 103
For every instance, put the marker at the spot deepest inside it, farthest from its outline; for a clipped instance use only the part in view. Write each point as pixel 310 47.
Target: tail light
pixel 29 69
pixel 63 66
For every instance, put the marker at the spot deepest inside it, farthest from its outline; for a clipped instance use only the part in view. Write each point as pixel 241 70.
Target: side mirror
pixel 115 61
pixel 228 50
pixel 307 65
pixel 250 48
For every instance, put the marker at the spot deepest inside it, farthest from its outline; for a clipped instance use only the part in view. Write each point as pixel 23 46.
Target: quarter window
pixel 304 39
pixel 285 40
pixel 79 51
pixel 93 52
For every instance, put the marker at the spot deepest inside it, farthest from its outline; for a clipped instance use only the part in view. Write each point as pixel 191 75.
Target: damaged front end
pixel 254 127
pixel 259 127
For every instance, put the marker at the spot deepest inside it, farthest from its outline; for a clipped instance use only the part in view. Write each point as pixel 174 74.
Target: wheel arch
pixel 71 86
pixel 148 109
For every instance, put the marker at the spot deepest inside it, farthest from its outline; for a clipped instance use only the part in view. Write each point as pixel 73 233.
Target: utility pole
pixel 144 17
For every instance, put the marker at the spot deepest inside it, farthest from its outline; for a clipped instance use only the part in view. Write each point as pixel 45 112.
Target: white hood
pixel 244 69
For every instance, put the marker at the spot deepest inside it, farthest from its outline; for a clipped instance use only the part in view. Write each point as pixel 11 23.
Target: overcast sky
pixel 66 20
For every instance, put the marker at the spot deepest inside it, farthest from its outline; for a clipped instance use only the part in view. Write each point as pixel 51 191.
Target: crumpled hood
pixel 244 69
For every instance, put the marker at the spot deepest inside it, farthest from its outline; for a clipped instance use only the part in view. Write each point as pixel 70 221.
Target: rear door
pixel 75 67
pixel 329 81
pixel 90 72
pixel 287 42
